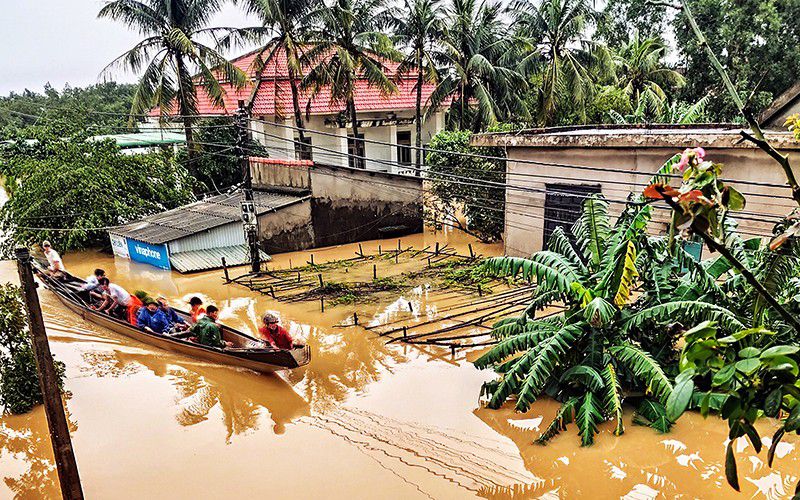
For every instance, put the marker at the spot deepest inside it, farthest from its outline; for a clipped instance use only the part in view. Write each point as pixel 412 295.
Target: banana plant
pixel 588 356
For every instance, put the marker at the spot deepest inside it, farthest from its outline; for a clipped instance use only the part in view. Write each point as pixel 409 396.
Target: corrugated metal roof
pixel 203 260
pixel 200 216
pixel 143 139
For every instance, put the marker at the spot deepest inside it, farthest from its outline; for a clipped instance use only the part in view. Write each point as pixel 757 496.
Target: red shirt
pixel 280 338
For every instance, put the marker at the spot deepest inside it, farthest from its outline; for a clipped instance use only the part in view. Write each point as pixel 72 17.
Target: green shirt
pixel 207 332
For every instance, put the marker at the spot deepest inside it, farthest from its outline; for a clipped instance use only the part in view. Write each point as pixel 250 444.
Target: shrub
pixel 19 383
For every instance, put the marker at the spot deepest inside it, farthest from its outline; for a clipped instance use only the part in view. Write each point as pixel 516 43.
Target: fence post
pixel 66 466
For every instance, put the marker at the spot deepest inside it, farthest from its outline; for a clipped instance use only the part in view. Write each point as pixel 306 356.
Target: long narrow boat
pixel 246 352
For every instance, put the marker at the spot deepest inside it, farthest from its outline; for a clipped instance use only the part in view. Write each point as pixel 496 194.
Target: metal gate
pixel 562 205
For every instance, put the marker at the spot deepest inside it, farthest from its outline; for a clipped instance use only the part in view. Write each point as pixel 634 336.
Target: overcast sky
pixel 62 41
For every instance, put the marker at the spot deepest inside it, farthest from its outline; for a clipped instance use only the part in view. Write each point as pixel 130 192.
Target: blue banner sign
pixel 155 255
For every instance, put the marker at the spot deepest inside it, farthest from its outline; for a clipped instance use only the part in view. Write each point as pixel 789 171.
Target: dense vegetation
pixel 83 186
pixel 94 110
pixel 19 383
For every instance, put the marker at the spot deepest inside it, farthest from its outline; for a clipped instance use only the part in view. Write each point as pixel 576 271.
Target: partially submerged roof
pixel 782 107
pixel 201 216
pixel 716 135
pixel 211 258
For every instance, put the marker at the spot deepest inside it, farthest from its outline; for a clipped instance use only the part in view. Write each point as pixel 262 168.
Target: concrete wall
pixel 287 230
pixel 524 216
pixel 353 205
pixel 289 175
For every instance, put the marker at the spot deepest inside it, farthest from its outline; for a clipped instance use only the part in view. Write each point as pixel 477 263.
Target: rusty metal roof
pixel 211 258
pixel 201 216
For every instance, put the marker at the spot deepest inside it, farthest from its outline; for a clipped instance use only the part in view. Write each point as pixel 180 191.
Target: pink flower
pixel 681 165
pixel 693 156
pixel 700 153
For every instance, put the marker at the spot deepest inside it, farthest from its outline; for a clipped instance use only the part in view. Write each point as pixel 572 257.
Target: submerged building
pixel 550 172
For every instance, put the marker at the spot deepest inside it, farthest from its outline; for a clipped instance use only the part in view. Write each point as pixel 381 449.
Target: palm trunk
pixel 298 115
pixel 419 117
pixel 461 111
pixel 360 162
pixel 185 111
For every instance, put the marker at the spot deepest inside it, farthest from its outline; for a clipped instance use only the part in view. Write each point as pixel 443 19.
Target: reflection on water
pixel 641 464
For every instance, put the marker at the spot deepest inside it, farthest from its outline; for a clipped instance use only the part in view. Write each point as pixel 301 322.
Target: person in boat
pixel 152 319
pixel 176 322
pixel 90 289
pixel 54 263
pixel 118 302
pixel 273 333
pixel 207 332
pixel 197 310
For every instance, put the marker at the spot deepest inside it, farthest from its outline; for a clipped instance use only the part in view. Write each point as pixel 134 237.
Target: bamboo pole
pixel 66 465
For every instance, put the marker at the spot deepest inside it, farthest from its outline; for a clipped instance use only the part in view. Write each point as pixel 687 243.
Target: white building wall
pixel 329 143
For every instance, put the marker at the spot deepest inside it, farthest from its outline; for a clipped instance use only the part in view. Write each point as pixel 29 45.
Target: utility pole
pixel 249 215
pixel 66 466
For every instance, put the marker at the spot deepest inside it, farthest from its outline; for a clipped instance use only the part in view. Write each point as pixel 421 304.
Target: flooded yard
pixel 365 419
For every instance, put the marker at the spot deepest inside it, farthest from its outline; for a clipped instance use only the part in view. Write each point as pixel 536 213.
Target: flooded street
pixel 363 420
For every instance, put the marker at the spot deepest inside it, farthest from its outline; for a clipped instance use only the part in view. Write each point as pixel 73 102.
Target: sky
pixel 62 41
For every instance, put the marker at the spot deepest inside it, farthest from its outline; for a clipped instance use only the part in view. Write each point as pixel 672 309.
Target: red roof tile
pixel 274 96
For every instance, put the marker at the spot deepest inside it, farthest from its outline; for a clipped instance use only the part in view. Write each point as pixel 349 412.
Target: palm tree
pixel 479 73
pixel 419 28
pixel 170 52
pixel 642 73
pixel 348 45
pixel 285 21
pixel 567 61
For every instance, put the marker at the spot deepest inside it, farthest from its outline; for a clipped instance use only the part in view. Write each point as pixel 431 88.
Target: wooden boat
pixel 247 351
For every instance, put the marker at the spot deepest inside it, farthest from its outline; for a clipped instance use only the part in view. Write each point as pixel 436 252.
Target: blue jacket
pixel 157 321
pixel 172 316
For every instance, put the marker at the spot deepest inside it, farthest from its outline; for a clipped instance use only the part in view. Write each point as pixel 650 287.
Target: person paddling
pixel 274 334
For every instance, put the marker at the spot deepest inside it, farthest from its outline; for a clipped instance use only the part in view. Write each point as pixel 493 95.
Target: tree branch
pixel 748 276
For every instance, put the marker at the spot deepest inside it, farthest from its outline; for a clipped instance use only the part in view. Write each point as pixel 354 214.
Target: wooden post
pixel 410 307
pixel 290 264
pixel 360 250
pixel 272 291
pixel 225 270
pixel 398 245
pixel 312 259
pixel 471 253
pixel 480 291
pixel 355 318
pixel 66 466
pixel 374 271
pixel 405 332
pixel 437 248
pixel 298 276
pixel 380 252
pixel 320 280
pixel 453 348
pixel 397 257
pixel 322 304
pixel 429 262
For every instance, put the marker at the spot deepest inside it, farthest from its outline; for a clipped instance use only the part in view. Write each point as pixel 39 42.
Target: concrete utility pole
pixel 249 215
pixel 48 382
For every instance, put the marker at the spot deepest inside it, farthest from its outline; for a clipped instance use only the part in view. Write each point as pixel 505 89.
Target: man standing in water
pixel 273 333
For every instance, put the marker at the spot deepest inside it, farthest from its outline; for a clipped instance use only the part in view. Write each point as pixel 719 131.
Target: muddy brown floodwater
pixel 363 420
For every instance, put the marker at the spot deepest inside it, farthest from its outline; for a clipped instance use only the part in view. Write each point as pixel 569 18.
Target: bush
pixel 458 182
pixel 19 382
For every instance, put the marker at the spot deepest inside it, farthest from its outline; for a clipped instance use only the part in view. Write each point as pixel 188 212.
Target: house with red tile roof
pixel 387 119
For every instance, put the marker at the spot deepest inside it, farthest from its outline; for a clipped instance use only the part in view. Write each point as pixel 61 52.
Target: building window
pixel 355 151
pixel 404 147
pixel 563 204
pixel 302 151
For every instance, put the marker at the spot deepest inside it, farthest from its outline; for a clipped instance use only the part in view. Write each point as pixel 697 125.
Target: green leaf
pixel 587 419
pixel 680 397
pixel 782 363
pixel 585 375
pixel 652 414
pixel 644 368
pixel 752 435
pixel 741 334
pixel 748 366
pixel 724 376
pixel 780 350
pixel 686 312
pixel 613 397
pixel 736 199
pixel 730 467
pixel 749 352
pixel 772 404
pixel 792 422
pixel 565 415
pixel 599 312
pixel 776 439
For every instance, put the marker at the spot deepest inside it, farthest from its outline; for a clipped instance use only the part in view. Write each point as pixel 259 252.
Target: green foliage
pixel 94 110
pixel 482 204
pixel 83 186
pixel 750 374
pixel 19 382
